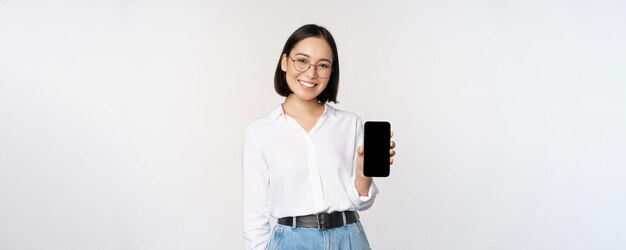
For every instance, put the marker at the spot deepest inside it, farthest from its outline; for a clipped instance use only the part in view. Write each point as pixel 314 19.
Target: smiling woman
pixel 304 83
pixel 309 44
pixel 303 162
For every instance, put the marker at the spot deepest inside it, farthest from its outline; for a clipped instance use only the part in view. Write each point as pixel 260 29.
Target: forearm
pixel 363 184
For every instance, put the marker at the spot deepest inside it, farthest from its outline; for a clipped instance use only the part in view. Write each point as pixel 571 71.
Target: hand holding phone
pixel 376 146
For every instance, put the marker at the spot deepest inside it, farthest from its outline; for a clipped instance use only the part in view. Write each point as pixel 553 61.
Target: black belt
pixel 322 220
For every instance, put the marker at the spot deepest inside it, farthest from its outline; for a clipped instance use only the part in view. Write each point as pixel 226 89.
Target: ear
pixel 283 63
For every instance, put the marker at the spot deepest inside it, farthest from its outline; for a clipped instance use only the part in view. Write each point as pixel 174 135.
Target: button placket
pixel 314 173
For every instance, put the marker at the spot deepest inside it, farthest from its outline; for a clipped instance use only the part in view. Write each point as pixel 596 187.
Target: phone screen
pixel 376 148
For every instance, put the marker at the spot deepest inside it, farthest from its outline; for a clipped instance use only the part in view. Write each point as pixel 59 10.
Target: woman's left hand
pixel 359 158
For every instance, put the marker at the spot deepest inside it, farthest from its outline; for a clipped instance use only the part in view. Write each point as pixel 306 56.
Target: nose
pixel 311 72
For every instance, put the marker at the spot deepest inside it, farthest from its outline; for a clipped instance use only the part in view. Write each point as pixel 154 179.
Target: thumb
pixel 360 150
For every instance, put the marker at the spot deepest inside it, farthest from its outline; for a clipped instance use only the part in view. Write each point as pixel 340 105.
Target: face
pixel 308 84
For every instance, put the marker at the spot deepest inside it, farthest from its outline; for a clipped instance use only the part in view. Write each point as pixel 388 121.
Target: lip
pixel 307 87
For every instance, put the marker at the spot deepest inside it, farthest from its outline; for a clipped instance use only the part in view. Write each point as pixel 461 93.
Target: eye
pixel 301 60
pixel 324 65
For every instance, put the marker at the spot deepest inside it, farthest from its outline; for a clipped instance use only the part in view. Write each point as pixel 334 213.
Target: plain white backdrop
pixel 121 122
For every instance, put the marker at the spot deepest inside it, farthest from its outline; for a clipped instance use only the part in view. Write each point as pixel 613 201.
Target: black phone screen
pixel 376 148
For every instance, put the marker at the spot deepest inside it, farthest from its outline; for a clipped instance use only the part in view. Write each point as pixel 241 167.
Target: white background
pixel 121 122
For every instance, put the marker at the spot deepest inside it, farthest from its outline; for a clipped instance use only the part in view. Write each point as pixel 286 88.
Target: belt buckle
pixel 323 221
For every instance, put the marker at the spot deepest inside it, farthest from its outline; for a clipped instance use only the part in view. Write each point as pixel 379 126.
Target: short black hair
pixel 310 30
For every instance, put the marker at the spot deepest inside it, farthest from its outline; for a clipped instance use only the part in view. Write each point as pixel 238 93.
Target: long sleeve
pixel 255 187
pixel 360 202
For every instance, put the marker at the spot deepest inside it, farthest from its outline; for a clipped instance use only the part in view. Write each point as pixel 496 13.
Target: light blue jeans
pixel 347 237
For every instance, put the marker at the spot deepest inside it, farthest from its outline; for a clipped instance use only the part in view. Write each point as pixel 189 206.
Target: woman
pixel 303 162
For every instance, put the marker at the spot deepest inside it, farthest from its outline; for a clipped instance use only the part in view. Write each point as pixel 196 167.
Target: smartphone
pixel 376 148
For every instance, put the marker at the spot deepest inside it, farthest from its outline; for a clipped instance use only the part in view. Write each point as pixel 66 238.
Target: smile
pixel 307 84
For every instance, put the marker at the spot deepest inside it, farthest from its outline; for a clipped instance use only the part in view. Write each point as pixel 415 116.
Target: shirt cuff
pixel 363 202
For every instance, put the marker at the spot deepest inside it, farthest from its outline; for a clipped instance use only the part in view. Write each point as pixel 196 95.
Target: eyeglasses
pixel 302 65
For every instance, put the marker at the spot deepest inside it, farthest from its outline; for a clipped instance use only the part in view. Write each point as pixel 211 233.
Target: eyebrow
pixel 307 56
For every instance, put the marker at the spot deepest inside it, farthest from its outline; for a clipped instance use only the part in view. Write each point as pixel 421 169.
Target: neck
pixel 297 107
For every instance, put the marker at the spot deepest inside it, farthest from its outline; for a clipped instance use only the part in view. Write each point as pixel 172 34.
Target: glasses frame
pixel 308 67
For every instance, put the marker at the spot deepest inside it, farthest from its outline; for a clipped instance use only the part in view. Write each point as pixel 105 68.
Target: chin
pixel 307 98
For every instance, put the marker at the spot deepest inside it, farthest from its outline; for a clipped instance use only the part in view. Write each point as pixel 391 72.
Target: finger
pixel 392 144
pixel 390 161
pixel 360 150
pixel 392 152
pixel 391 133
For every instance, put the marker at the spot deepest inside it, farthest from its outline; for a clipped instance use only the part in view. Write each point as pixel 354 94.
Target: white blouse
pixel 290 172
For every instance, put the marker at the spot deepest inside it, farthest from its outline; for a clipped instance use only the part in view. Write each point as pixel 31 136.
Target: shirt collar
pixel 278 111
pixel 330 110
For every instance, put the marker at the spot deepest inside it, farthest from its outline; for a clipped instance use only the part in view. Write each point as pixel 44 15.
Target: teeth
pixel 306 84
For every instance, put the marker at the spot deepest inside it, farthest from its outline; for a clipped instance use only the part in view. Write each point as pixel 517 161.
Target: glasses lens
pixel 324 70
pixel 301 64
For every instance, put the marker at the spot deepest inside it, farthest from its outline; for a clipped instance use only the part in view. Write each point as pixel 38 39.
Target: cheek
pixel 292 75
pixel 291 79
pixel 324 83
